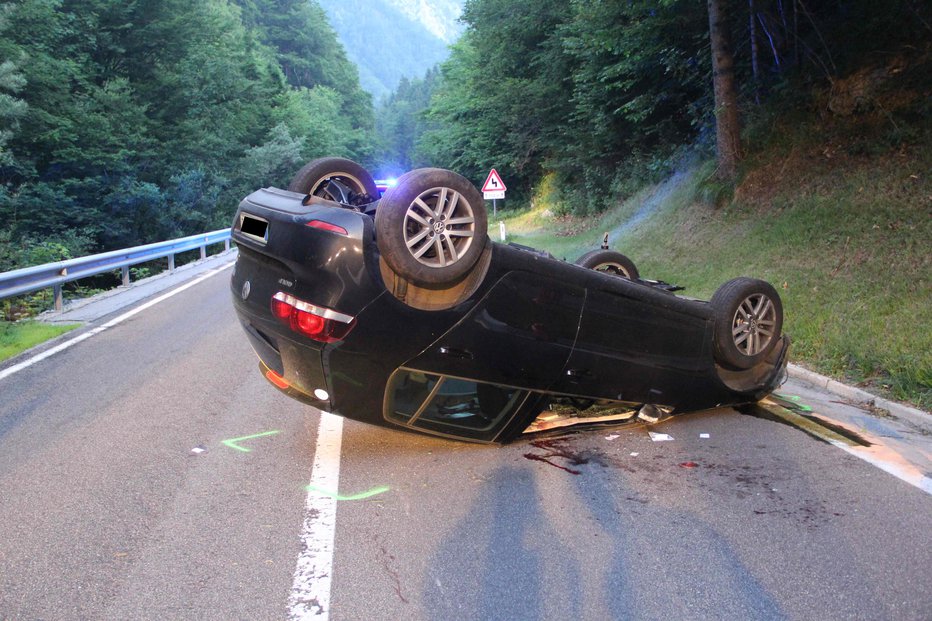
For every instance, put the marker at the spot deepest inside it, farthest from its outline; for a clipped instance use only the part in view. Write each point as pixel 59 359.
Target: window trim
pixel 516 404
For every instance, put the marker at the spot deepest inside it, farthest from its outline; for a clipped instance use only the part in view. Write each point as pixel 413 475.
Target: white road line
pixel 25 364
pixel 310 591
pixel 879 454
pixel 904 472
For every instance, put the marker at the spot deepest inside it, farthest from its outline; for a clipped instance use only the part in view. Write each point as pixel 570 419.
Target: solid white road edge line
pixel 907 475
pixel 310 591
pixel 25 364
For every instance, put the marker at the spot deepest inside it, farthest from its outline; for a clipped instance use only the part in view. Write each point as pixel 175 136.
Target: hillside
pixel 835 214
pixel 391 39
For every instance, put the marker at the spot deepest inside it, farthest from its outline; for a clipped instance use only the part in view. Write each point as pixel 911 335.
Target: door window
pixel 451 406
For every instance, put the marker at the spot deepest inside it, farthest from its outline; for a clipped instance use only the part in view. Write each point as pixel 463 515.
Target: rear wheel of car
pixel 609 262
pixel 431 226
pixel 748 317
pixel 336 179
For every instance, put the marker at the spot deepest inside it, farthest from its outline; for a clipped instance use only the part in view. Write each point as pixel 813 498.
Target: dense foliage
pixel 600 94
pixel 126 122
pixel 123 122
pixel 401 122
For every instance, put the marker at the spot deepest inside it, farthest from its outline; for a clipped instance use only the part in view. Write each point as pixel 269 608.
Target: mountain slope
pixel 391 39
pixel 437 16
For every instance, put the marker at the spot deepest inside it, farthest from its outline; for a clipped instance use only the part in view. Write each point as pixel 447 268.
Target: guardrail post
pixel 203 252
pixel 171 263
pixel 58 298
pixel 124 272
pixel 226 245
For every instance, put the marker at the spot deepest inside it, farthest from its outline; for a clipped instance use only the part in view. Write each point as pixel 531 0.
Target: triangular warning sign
pixel 493 183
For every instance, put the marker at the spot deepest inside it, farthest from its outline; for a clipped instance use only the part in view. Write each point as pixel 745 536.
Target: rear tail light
pixel 327 226
pixel 316 322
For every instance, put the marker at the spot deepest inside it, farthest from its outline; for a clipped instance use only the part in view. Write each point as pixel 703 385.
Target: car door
pixel 520 334
pixel 636 344
pixel 474 380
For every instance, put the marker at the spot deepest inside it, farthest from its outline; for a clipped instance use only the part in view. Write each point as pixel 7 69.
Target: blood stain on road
pixel 556 448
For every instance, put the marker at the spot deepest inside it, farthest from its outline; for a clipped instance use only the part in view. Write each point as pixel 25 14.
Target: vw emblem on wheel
pixel 246 290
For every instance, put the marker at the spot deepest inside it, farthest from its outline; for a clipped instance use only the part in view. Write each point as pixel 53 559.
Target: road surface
pixel 126 494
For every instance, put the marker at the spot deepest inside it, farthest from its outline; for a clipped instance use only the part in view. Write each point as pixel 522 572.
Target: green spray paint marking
pixel 375 491
pixel 233 443
pixel 797 402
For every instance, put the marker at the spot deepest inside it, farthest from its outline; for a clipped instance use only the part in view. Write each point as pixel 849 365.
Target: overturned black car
pixel 400 311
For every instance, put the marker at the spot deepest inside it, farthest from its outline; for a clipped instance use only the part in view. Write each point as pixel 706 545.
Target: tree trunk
pixel 727 121
pixel 752 34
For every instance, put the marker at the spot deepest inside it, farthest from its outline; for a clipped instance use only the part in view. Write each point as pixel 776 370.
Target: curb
pixel 913 415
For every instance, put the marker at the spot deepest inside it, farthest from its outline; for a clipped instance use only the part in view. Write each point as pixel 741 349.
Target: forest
pixel 127 122
pixel 124 123
pixel 597 98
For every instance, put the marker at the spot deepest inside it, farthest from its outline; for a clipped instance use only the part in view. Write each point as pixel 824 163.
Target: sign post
pixel 493 189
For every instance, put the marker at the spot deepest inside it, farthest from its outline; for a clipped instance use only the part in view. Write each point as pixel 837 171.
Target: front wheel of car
pixel 609 262
pixel 336 179
pixel 748 318
pixel 431 227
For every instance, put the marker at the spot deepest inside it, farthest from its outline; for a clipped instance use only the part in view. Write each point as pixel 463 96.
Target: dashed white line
pixel 310 591
pixel 25 364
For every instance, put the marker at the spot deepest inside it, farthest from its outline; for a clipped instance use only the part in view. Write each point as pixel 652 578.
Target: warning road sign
pixel 494 183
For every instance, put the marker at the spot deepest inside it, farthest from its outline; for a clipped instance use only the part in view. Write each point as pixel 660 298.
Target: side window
pixel 407 393
pixel 450 406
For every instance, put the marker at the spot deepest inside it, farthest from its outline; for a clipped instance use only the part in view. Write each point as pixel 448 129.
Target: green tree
pixel 129 122
pixel 504 98
pixel 400 123
pixel 12 108
pixel 640 76
pixel 307 49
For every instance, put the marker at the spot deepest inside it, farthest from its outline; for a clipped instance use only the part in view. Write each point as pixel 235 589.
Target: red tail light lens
pixel 326 226
pixel 281 309
pixel 316 322
pixel 277 379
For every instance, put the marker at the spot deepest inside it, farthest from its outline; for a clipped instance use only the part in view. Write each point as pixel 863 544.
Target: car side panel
pixel 636 350
pixel 520 334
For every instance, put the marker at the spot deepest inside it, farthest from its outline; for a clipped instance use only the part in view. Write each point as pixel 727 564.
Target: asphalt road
pixel 108 512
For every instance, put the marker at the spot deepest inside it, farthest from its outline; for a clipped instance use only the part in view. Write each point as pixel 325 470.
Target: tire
pixel 748 319
pixel 336 179
pixel 609 262
pixel 431 227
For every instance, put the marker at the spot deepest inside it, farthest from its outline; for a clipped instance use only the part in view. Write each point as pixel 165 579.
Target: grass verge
pixel 19 336
pixel 844 237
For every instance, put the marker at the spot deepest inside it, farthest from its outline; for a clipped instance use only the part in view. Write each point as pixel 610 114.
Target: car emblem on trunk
pixel 246 288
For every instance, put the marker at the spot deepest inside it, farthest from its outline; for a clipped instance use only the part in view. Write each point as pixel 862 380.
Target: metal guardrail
pixel 54 275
